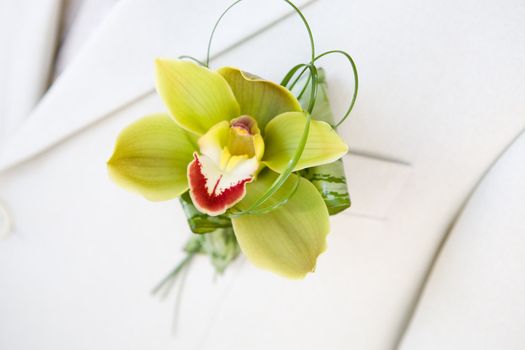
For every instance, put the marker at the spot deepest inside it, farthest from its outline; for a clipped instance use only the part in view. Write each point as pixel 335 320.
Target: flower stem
pixel 168 281
pixel 295 8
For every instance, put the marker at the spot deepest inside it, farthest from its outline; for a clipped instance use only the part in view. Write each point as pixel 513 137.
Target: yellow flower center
pixel 245 137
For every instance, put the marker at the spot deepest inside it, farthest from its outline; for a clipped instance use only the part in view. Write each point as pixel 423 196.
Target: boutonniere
pixel 255 164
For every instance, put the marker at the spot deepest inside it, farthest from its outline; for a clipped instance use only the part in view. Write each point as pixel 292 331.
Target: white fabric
pixel 5 222
pixel 80 19
pixel 474 297
pixel 434 94
pixel 28 36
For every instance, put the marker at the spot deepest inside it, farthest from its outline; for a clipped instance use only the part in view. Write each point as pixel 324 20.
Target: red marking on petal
pixel 214 203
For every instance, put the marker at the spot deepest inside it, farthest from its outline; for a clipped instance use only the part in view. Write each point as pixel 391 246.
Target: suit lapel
pixel 116 66
pixel 28 35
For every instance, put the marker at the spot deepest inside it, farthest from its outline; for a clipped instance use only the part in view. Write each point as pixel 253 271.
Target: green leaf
pixel 199 222
pixel 282 137
pixel 151 157
pixel 196 97
pixel 220 246
pixel 329 179
pixel 288 239
pixel 322 109
pixel 259 98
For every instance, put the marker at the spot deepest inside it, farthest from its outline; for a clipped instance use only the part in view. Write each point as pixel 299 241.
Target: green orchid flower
pixel 226 139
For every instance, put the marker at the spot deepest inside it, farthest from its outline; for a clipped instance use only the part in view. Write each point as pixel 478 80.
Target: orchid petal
pixel 213 142
pixel 151 157
pixel 259 98
pixel 288 239
pixel 196 97
pixel 282 137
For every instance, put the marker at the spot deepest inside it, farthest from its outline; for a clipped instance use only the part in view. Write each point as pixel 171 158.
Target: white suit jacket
pixel 441 98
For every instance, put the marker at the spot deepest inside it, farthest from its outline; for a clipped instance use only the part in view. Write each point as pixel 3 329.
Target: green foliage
pixel 220 246
pixel 329 179
pixel 200 222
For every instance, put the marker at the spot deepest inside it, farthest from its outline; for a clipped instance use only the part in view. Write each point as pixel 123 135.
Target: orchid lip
pixel 229 157
pixel 213 194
